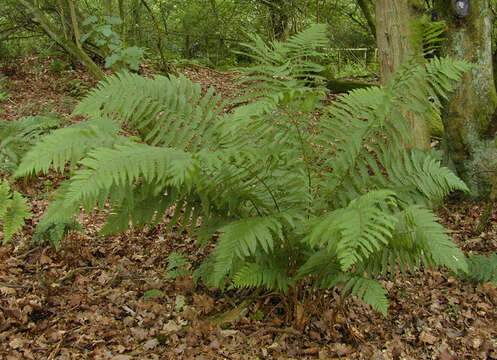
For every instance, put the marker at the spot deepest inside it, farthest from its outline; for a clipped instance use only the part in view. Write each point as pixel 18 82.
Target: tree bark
pixel 470 117
pixel 67 45
pixel 75 26
pixel 365 6
pixel 136 23
pixel 393 18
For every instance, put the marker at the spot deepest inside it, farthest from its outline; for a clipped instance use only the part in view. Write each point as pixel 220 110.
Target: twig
pixel 74 271
pixel 55 351
pixel 14 286
pixel 288 330
pixel 30 251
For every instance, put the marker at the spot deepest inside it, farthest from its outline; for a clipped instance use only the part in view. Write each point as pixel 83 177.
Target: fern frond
pixel 358 230
pixel 169 112
pixel 368 291
pixel 418 176
pixel 176 265
pixel 18 136
pixel 418 238
pixel 69 145
pixel 241 239
pixel 108 169
pixel 54 233
pixel 13 210
pixel 481 269
pixel 267 276
pixel 283 67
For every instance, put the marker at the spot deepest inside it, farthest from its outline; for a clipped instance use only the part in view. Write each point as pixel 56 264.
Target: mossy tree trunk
pixel 470 117
pixel 366 7
pixel 393 18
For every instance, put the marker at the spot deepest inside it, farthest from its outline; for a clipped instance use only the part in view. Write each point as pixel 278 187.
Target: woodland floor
pixel 87 300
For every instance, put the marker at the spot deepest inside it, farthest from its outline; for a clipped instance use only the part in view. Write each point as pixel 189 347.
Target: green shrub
pixel 117 52
pixel 296 199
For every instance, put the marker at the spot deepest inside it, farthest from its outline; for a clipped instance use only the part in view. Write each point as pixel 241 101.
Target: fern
pixel 481 269
pixel 294 199
pixel 177 266
pixel 54 233
pixel 13 210
pixel 17 137
pixel 68 146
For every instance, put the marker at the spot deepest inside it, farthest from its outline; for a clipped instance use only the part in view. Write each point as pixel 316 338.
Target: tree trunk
pixel 108 7
pixel 160 40
pixel 367 12
pixel 470 117
pixel 67 45
pixel 393 18
pixel 136 23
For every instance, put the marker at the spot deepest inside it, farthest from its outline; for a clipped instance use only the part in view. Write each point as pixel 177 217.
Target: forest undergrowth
pixel 110 298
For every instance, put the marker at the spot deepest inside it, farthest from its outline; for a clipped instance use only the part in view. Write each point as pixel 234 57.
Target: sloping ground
pixel 92 299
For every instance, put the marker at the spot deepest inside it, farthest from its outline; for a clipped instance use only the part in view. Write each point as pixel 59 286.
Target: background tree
pixel 470 117
pixel 395 44
pixel 58 35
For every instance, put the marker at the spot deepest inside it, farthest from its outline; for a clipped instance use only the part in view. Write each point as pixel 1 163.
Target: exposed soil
pixel 92 299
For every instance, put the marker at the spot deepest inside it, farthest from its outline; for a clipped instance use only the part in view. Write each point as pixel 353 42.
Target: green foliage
pixel 295 199
pixel 152 294
pixel 4 93
pixel 428 35
pixel 177 266
pixel 481 269
pixel 17 137
pixel 13 210
pixel 55 232
pixel 117 52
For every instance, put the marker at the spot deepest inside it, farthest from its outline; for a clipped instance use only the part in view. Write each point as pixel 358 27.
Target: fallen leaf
pixel 151 344
pixel 171 326
pixel 205 303
pixel 16 343
pixel 427 337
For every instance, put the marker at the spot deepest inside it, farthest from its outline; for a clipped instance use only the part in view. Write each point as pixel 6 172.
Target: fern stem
pixel 304 153
pixel 266 186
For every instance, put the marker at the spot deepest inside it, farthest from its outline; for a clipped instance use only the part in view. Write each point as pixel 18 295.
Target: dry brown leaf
pixel 427 337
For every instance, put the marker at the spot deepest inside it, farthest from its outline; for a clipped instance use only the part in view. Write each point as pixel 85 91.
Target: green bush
pixel 117 52
pixel 296 199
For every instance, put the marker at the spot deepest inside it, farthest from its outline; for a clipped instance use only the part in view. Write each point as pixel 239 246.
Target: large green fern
pixel 295 198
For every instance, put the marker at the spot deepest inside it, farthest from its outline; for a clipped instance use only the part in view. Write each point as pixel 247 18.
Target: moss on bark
pixel 468 117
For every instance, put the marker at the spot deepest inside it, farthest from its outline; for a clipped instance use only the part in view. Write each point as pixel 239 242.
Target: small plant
pixel 152 294
pixel 104 36
pixel 13 210
pixel 17 137
pixel 55 232
pixel 177 266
